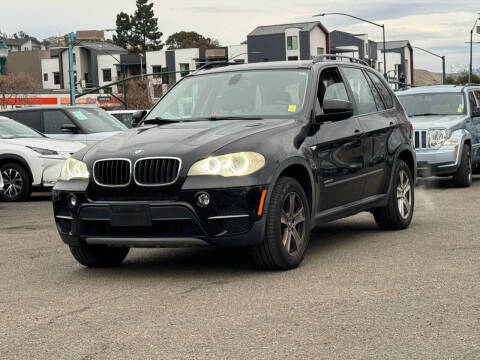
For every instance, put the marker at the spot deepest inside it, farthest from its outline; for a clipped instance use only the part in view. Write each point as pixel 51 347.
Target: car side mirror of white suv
pixel 69 129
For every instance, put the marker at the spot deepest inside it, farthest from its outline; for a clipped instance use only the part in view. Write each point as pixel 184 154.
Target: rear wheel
pixel 17 183
pixel 287 228
pixel 463 176
pixel 398 212
pixel 99 255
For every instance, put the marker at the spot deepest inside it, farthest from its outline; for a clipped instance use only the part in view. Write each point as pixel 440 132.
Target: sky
pixel 441 26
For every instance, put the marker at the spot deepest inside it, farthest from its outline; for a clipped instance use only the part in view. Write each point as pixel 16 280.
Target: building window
pixel 184 69
pixel 56 78
pixel 292 58
pixel 292 43
pixel 74 59
pixel 320 51
pixel 157 91
pixel 45 77
pixel 156 69
pixel 107 75
pixel 240 61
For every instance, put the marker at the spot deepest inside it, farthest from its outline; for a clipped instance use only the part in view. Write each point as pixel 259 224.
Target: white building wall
pixel 392 60
pixel 185 56
pixel 155 58
pixel 238 52
pixel 408 73
pixel 50 66
pixel 108 62
pixel 292 32
pixel 318 39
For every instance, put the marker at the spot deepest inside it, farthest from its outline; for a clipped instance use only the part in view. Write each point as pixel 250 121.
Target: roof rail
pixel 215 64
pixel 319 58
pixel 472 84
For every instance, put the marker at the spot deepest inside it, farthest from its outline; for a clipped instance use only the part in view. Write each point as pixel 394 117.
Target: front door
pixel 338 151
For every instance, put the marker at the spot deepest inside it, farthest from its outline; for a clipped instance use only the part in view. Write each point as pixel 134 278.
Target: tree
pixel 21 35
pixel 190 39
pixel 123 34
pixel 14 89
pixel 138 96
pixel 140 30
pixel 461 78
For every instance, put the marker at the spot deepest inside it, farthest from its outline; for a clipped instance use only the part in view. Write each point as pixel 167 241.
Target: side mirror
pixel 335 110
pixel 137 117
pixel 69 128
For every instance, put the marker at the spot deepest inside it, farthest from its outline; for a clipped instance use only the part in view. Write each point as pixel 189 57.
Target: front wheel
pixel 397 214
pixel 287 227
pixel 463 176
pixel 99 255
pixel 17 183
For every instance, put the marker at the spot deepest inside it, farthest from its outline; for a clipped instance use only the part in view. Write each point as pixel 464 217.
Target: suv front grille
pixel 112 172
pixel 421 139
pixel 156 171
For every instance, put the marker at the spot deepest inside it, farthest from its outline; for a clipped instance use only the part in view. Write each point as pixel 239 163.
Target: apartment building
pixel 399 60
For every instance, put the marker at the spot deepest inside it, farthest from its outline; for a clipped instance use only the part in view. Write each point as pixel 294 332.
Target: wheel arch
pixel 13 158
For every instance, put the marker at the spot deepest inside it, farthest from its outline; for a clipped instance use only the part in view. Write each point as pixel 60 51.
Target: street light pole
pixel 370 22
pixel 471 51
pixel 71 39
pixel 439 56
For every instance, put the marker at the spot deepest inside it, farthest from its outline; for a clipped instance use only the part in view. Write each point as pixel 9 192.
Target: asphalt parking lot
pixel 360 293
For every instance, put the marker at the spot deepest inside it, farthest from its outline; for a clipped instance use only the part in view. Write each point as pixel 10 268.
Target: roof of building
pixel 390 45
pixel 280 28
pixel 102 46
pixel 19 41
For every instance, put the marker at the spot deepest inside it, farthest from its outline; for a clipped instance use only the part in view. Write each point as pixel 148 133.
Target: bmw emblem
pixel 138 152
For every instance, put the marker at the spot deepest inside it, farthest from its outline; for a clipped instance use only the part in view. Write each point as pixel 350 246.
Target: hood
pixel 102 135
pixel 196 138
pixel 47 143
pixel 437 121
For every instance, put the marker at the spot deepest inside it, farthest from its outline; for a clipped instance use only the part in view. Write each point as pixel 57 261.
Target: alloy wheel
pixel 13 182
pixel 404 194
pixel 292 223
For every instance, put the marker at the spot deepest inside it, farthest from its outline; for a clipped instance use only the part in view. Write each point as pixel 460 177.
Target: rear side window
pixel 376 95
pixel 10 115
pixel 361 90
pixel 53 120
pixel 382 89
pixel 30 118
pixel 471 100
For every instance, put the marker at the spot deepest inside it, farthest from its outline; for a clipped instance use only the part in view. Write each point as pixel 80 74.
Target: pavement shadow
pixel 440 182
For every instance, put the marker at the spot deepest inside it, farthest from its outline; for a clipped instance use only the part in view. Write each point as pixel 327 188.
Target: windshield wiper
pixel 426 114
pixel 233 117
pixel 159 120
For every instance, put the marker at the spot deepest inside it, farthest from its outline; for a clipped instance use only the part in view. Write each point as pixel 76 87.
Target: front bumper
pixel 231 218
pixel 442 161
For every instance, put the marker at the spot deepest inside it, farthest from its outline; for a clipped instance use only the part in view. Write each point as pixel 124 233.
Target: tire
pixel 398 213
pixel 96 256
pixel 18 185
pixel 287 228
pixel 463 176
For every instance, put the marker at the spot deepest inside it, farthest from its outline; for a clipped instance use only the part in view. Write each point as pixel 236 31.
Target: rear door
pixel 338 149
pixel 53 120
pixel 377 119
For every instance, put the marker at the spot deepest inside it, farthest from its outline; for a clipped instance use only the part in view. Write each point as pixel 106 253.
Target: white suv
pixel 28 158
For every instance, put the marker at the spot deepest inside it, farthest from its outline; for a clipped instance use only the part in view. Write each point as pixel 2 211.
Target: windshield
pixel 259 93
pixel 433 104
pixel 96 120
pixel 10 129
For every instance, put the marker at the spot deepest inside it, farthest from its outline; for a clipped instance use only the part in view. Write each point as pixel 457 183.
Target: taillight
pixel 411 128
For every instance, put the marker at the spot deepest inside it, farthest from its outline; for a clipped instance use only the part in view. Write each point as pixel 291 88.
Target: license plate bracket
pixel 130 215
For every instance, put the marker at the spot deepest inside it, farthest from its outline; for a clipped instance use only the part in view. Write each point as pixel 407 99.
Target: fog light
pixel 72 199
pixel 203 199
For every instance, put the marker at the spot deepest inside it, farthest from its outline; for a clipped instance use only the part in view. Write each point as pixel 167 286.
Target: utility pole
pixel 471 51
pixel 444 80
pixel 71 39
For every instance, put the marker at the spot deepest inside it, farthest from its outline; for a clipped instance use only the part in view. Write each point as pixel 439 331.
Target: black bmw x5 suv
pixel 253 155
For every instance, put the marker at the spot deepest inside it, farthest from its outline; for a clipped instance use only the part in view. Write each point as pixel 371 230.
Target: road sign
pixel 104 98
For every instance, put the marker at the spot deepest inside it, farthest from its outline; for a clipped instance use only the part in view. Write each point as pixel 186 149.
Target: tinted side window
pixel 361 90
pixel 471 100
pixel 477 95
pixel 331 86
pixel 30 118
pixel 376 95
pixel 10 115
pixel 53 120
pixel 382 89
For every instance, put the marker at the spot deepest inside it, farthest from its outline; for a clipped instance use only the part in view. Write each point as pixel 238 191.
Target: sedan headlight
pixel 74 169
pixel 437 137
pixel 237 164
pixel 41 151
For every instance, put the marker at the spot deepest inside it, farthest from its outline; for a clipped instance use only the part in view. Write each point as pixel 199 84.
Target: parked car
pixel 446 120
pixel 83 124
pixel 252 155
pixel 125 116
pixel 29 159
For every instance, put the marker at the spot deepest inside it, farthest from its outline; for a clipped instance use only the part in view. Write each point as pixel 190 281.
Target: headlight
pixel 237 164
pixel 43 151
pixel 437 137
pixel 74 169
